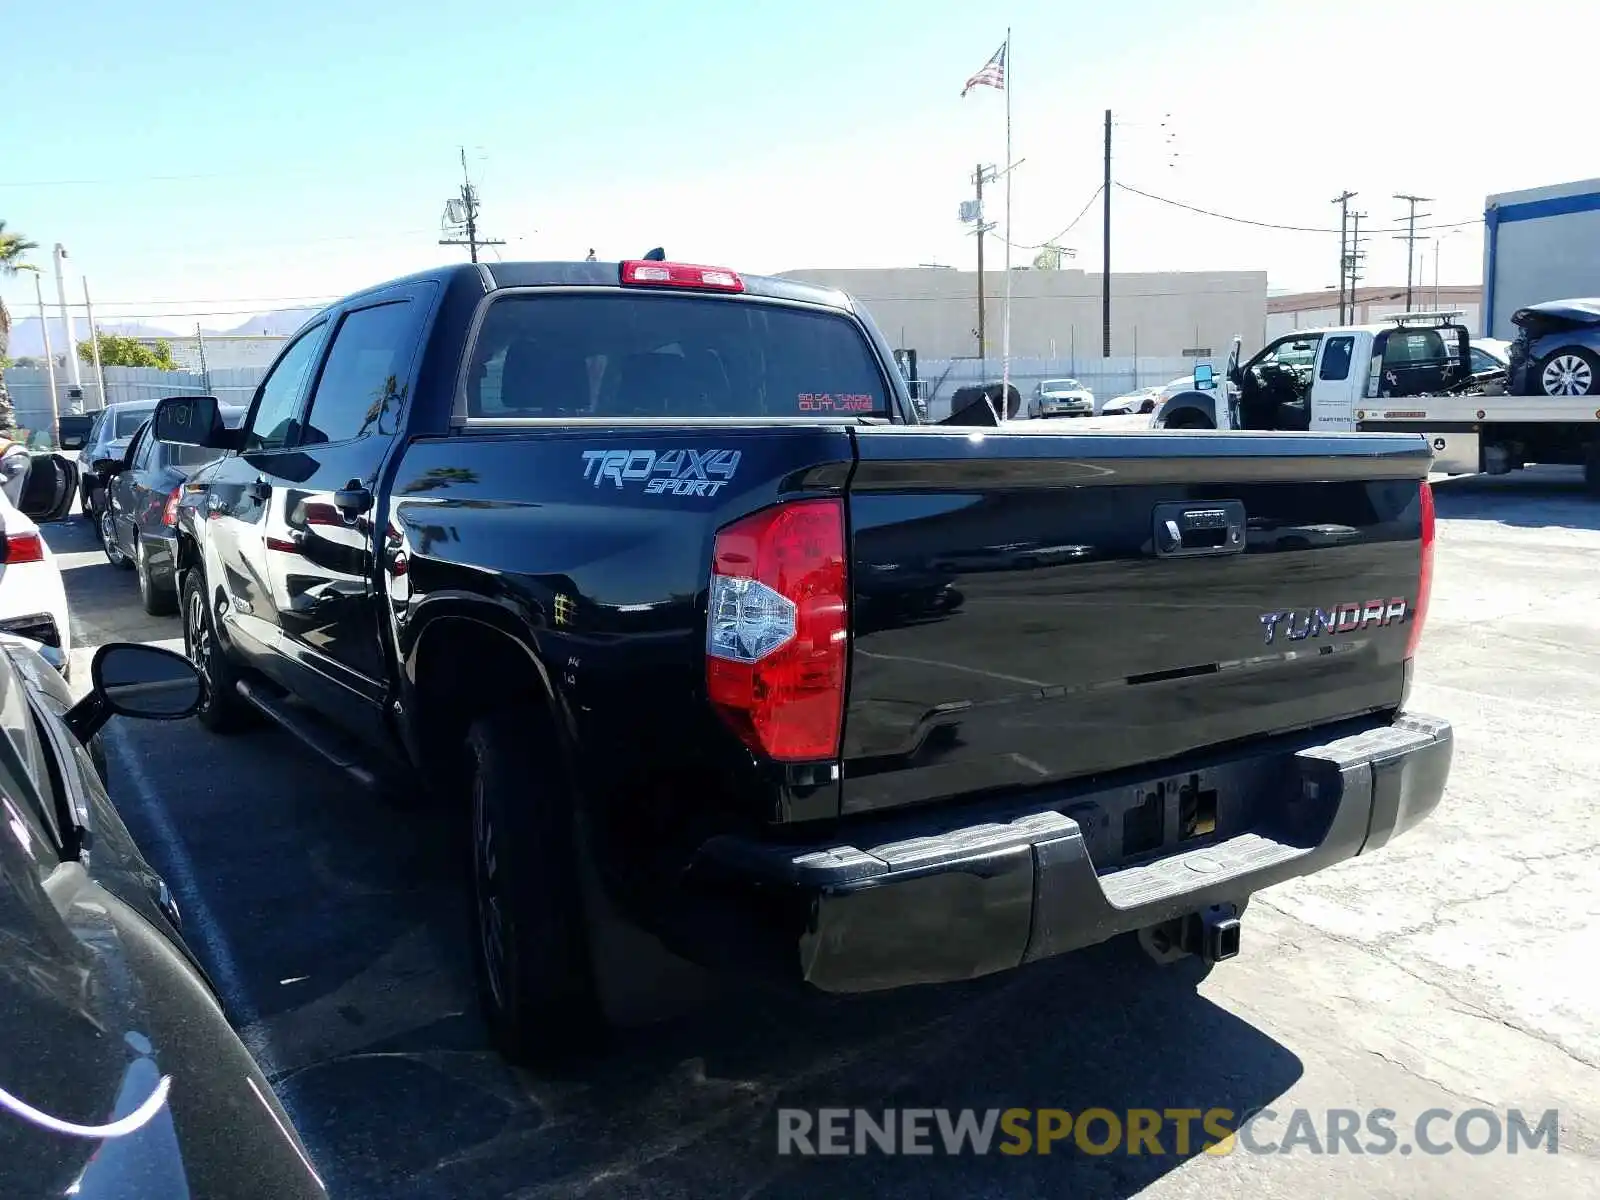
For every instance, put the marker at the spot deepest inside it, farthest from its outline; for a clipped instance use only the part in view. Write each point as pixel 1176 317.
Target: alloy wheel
pixel 108 538
pixel 197 638
pixel 1567 375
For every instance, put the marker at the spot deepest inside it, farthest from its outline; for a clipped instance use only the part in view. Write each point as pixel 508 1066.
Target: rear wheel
pixel 115 554
pixel 222 709
pixel 1573 371
pixel 158 602
pixel 1591 469
pixel 535 973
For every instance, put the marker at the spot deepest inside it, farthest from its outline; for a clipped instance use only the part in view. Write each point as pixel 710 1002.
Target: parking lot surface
pixel 1454 970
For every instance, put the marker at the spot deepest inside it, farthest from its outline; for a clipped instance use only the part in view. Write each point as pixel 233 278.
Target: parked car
pixel 121 1073
pixel 1061 398
pixel 649 565
pixel 33 602
pixel 1557 349
pixel 140 511
pixel 1142 400
pixel 1489 354
pixel 108 440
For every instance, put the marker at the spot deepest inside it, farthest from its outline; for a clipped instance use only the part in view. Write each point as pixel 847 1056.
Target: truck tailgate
pixel 1033 606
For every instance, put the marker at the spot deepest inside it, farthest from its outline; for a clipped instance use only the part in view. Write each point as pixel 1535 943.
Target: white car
pixel 33 602
pixel 1061 398
pixel 1144 400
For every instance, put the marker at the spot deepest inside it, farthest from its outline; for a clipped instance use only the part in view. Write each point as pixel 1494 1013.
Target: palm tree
pixel 13 246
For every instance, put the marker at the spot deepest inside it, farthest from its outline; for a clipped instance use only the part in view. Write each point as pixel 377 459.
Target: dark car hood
pixel 1581 311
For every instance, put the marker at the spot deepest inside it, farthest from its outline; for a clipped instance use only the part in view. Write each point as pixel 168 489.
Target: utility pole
pixel 980 176
pixel 1343 201
pixel 1410 237
pixel 1356 255
pixel 1105 267
pixel 94 342
pixel 464 212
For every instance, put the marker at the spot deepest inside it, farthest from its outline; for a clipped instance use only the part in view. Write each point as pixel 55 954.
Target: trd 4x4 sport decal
pixel 663 472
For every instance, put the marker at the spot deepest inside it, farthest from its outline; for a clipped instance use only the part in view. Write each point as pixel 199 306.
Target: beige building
pixel 1057 314
pixel 1315 310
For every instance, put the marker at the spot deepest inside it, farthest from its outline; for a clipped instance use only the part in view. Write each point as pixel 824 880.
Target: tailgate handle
pixel 1199 529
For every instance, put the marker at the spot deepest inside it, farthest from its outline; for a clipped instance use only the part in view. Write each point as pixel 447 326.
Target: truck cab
pixel 1318 379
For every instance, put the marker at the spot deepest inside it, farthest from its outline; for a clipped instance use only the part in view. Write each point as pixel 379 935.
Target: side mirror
pixel 108 466
pixel 191 421
pixel 1205 379
pixel 133 680
pixel 51 487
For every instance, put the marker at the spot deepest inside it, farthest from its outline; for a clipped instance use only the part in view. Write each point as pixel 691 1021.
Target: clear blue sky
pixel 204 158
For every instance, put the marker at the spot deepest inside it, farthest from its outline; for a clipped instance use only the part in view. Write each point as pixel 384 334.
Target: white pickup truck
pixel 1411 374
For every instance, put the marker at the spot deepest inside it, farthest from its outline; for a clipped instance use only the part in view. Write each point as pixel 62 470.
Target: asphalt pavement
pixel 1454 970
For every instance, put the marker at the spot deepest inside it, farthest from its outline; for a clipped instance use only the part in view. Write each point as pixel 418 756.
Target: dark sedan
pixel 108 439
pixel 142 488
pixel 1557 349
pixel 119 1074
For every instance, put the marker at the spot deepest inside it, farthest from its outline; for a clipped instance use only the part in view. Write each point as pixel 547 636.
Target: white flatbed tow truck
pixel 1408 374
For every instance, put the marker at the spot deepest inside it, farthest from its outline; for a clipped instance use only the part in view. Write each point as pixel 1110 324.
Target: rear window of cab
pixel 633 355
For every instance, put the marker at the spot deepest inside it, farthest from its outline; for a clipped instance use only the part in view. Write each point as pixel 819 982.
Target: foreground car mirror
pixel 191 421
pixel 108 466
pixel 132 680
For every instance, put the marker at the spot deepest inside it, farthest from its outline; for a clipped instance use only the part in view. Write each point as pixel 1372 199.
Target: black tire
pixel 222 709
pixel 105 526
pixel 1572 371
pixel 89 505
pixel 535 970
pixel 157 602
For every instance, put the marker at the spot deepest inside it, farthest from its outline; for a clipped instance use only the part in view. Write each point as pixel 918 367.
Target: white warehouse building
pixel 1057 314
pixel 1539 244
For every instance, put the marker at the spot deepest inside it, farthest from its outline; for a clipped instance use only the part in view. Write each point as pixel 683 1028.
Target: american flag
pixel 993 73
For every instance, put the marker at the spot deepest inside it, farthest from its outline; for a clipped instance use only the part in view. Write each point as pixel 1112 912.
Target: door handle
pixel 352 499
pixel 1199 529
pixel 260 491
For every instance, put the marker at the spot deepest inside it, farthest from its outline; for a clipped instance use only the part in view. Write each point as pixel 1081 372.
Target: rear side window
pixel 631 355
pixel 1336 358
pixel 364 379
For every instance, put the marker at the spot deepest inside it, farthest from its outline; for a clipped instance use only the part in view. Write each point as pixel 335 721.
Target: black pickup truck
pixel 656 572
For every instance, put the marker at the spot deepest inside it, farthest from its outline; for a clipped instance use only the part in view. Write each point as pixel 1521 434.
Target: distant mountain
pixel 279 323
pixel 26 341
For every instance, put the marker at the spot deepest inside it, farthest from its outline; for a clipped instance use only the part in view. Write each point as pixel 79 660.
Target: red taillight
pixel 169 514
pixel 1419 613
pixel 646 273
pixel 23 548
pixel 776 629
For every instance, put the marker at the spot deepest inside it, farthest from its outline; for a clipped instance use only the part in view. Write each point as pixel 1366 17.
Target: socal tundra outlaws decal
pixel 1300 624
pixel 663 472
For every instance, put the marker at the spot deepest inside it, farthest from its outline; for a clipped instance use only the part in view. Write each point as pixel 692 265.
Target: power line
pixel 1409 237
pixel 1049 242
pixel 1206 212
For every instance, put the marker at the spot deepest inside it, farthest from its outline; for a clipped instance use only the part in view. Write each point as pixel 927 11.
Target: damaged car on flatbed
pixel 657 573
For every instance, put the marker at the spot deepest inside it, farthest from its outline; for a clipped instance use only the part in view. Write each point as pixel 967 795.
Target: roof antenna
pixel 656 255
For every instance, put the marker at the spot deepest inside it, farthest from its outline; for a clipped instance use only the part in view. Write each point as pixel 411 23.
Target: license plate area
pixel 1128 825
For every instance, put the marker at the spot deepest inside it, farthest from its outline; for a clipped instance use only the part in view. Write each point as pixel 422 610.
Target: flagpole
pixel 1005 335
